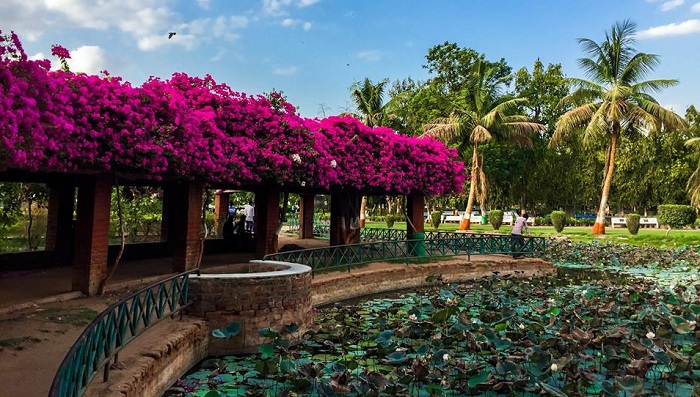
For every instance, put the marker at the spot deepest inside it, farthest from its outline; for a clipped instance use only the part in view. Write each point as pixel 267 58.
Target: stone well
pixel 257 295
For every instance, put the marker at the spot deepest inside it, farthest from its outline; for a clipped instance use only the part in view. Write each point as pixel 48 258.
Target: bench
pixel 451 218
pixel 617 221
pixel 648 222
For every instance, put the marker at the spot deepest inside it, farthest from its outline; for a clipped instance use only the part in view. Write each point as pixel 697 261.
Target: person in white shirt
pixel 517 242
pixel 249 212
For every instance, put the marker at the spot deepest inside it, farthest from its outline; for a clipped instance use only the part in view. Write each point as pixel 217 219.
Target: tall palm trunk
pixel 466 220
pixel 599 226
pixel 363 209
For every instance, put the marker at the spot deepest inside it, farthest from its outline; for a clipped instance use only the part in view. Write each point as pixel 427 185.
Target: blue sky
pixel 313 50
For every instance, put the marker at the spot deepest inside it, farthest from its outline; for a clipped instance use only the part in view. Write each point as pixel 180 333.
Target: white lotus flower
pixel 651 335
pixel 445 357
pixel 413 317
pixel 554 367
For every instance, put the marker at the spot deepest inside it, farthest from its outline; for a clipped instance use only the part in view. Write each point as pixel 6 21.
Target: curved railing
pixel 440 244
pixel 115 327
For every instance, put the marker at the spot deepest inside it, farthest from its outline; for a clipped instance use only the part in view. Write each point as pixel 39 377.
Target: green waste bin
pixel 417 247
pixel 484 220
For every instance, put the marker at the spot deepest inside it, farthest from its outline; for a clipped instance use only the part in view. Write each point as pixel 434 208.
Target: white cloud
pixel 275 7
pixel 204 3
pixel 88 59
pixel 690 26
pixel 306 3
pixel 695 7
pixel 288 71
pixel 370 55
pixel 671 4
pixel 290 22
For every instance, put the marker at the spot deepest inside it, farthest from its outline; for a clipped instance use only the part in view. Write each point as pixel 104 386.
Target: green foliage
pixel 391 219
pixel 496 219
pixel 142 209
pixel 632 222
pixel 558 220
pixel 675 215
pixel 435 218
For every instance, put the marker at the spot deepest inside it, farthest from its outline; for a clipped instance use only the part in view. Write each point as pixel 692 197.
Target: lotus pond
pixel 615 321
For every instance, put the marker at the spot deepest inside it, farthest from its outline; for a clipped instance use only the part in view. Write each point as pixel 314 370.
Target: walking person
pixel 517 241
pixel 249 212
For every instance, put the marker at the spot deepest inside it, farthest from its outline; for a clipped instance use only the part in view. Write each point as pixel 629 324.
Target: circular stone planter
pixel 261 294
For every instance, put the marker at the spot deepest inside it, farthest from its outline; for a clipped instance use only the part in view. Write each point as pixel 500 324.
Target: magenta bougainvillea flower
pixel 60 51
pixel 195 128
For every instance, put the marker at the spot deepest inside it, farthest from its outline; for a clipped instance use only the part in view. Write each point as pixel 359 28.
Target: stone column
pixel 267 221
pixel 59 228
pixel 186 226
pixel 221 203
pixel 345 218
pixel 306 216
pixel 92 227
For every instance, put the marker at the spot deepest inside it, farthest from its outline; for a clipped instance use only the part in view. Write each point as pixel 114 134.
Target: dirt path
pixel 33 342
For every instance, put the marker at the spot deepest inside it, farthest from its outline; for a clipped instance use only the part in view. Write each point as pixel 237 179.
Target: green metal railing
pixel 440 245
pixel 115 327
pixel 322 228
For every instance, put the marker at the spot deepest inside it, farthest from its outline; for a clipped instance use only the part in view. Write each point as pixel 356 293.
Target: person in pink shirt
pixel 517 242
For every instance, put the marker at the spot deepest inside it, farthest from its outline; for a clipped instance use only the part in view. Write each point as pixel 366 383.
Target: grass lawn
pixel 649 236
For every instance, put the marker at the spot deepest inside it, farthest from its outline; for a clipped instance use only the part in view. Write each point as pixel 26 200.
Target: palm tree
pixel 694 181
pixel 369 101
pixel 615 100
pixel 485 115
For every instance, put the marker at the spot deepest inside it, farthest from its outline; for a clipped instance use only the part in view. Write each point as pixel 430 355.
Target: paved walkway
pixel 40 318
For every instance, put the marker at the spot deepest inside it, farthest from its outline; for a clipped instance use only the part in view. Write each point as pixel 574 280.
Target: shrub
pixel 676 215
pixel 390 219
pixel 436 218
pixel 558 220
pixel 632 221
pixel 496 219
pixel 541 221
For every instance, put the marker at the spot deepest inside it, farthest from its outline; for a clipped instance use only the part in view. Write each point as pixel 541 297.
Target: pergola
pixel 79 134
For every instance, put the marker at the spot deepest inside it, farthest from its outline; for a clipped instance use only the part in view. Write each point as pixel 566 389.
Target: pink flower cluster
pixel 195 128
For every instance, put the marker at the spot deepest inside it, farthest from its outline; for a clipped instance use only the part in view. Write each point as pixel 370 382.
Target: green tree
pixel 693 184
pixel 486 113
pixel 544 89
pixel 369 101
pixel 614 102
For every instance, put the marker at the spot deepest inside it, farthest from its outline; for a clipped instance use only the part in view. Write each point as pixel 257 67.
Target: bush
pixel 541 221
pixel 558 220
pixel 436 218
pixel 676 215
pixel 632 221
pixel 390 219
pixel 496 219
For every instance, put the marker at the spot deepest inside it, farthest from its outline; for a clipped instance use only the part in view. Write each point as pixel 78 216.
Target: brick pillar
pixel 267 221
pixel 416 225
pixel 345 218
pixel 306 216
pixel 59 228
pixel 92 226
pixel 221 203
pixel 186 225
pixel 414 213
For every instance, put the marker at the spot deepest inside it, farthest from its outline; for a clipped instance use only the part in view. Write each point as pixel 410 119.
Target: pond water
pixel 625 331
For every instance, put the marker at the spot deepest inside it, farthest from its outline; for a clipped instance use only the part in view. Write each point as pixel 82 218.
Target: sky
pixel 314 50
